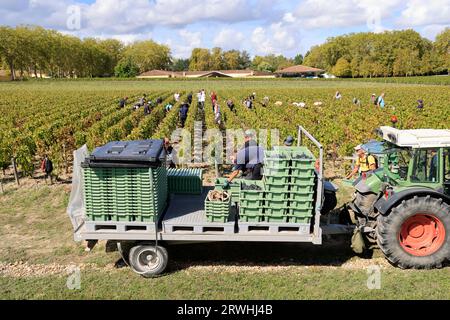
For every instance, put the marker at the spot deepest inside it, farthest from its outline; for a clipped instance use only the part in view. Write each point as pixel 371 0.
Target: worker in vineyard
pixel 189 98
pixel 230 105
pixel 337 96
pixel 217 114
pixel 380 100
pixel 147 108
pixel 202 99
pixel 249 160
pixel 168 107
pixel 265 101
pixel 123 102
pixel 184 109
pixel 252 96
pixel 47 168
pixel 170 154
pixel 420 104
pixel 159 100
pixel 289 141
pixel 213 97
pixel 364 164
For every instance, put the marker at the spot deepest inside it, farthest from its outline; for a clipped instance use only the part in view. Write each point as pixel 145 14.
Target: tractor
pixel 404 205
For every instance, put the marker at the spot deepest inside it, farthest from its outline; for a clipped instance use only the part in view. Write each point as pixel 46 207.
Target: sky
pixel 259 26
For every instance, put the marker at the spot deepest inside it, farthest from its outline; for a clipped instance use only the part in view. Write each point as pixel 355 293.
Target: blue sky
pixel 258 26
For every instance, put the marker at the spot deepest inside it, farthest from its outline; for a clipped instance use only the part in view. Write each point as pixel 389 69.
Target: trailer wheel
pixel 146 262
pixel 416 233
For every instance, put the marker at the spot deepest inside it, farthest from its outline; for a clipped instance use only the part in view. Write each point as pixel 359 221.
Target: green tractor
pixel 404 206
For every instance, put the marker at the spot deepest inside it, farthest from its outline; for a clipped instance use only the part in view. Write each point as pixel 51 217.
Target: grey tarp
pixel 76 209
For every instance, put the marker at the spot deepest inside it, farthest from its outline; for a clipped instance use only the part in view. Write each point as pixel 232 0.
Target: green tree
pixel 298 59
pixel 200 60
pixel 342 68
pixel 180 65
pixel 126 68
pixel 232 59
pixel 148 55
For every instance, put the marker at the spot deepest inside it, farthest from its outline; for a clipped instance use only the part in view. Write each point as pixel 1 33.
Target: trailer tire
pixel 144 261
pixel 416 233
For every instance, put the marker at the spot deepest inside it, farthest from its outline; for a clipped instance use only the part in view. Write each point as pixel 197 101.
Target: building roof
pixel 416 138
pixel 299 69
pixel 156 73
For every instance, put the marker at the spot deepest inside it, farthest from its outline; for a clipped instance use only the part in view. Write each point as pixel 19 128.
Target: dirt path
pixel 21 269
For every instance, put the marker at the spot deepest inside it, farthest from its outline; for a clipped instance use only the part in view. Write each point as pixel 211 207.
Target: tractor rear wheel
pixel 416 233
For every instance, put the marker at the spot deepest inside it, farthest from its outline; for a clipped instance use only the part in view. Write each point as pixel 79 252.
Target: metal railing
pixel 317 231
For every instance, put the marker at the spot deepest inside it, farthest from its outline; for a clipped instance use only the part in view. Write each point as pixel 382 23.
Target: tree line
pixel 35 51
pixel 391 53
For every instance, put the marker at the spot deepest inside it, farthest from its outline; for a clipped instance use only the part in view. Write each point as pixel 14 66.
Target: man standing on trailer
pixel 364 163
pixel 249 160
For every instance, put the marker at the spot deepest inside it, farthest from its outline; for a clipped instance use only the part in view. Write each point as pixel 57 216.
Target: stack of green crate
pixel 125 194
pixel 217 211
pixel 185 181
pixel 235 187
pixel 289 180
pixel 251 201
pixel 276 180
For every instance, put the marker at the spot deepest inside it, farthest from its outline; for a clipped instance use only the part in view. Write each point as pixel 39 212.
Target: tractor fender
pixel 384 206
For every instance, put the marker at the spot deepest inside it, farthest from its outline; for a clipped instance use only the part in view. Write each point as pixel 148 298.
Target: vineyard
pixel 57 117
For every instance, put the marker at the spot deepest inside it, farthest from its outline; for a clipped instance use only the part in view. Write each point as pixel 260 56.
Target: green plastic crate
pixel 277 187
pixel 276 180
pixel 217 211
pixel 250 203
pixel 273 163
pixel 279 218
pixel 251 218
pixel 250 211
pixel 301 196
pixel 295 212
pixel 252 194
pixel 302 173
pixel 300 204
pixel 276 171
pixel 272 211
pixel 223 218
pixel 302 181
pixel 305 188
pixel 276 195
pixel 185 181
pixel 124 192
pixel 294 219
pixel 276 203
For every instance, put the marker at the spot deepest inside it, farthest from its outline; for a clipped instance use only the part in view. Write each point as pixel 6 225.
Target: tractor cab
pixel 416 158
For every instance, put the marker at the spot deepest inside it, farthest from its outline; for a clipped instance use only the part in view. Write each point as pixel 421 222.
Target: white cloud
pixel 421 13
pixel 189 41
pixel 316 14
pixel 276 39
pixel 229 39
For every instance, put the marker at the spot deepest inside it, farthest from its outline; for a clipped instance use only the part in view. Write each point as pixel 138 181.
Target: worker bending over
pixel 249 160
pixel 364 163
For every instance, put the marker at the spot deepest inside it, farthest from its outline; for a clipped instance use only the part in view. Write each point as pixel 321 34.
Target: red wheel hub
pixel 422 235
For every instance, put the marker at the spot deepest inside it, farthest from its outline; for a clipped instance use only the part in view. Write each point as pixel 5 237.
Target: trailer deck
pixel 185 220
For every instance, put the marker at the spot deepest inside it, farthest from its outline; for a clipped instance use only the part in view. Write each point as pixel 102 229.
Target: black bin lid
pixel 144 152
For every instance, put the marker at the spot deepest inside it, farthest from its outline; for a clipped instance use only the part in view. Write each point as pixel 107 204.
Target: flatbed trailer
pixel 184 221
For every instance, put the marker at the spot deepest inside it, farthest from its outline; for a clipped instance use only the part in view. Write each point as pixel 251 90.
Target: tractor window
pixel 425 167
pixel 447 166
pixel 398 162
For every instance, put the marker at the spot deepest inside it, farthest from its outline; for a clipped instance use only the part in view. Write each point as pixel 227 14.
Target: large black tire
pixel 329 202
pixel 392 227
pixel 144 262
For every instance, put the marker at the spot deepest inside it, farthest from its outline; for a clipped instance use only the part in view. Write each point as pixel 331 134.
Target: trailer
pixel 142 227
pixel 183 220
